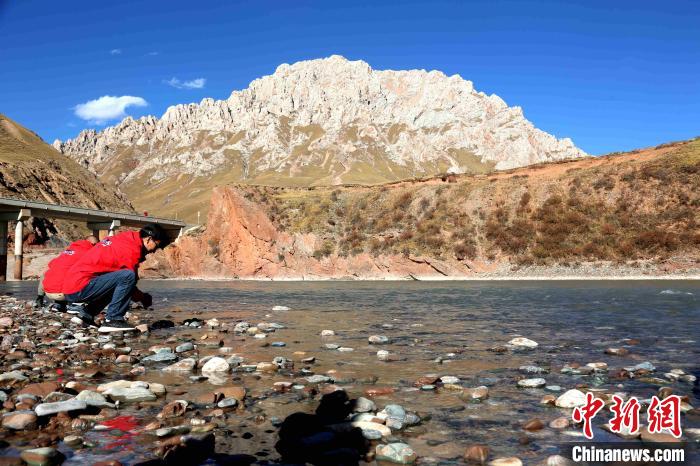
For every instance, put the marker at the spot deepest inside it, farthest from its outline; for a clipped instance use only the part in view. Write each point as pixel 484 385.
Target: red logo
pixel 587 412
pixel 624 415
pixel 662 415
pixel 665 414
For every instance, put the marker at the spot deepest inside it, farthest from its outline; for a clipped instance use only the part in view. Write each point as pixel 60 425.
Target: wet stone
pixel 560 423
pixel 188 346
pixel 617 351
pixel 378 340
pixel 44 456
pixel 159 357
pixel 476 454
pixel 474 394
pixel 533 370
pixel 216 364
pixel 93 399
pixel 399 453
pixel 509 461
pixel 131 395
pixel 364 405
pixel 13 375
pixel 227 403
pixel 46 409
pixel 184 365
pixel 533 425
pixel 19 420
pixel 315 379
pixel 532 383
pixel 571 399
pixel 522 342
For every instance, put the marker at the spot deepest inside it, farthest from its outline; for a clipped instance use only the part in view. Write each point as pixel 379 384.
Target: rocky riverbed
pixel 269 386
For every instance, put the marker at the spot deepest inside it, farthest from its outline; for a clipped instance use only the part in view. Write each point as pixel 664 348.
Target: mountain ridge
pixel 317 122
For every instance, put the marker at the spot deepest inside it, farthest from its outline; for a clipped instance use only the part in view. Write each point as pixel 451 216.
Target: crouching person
pixel 51 283
pixel 106 276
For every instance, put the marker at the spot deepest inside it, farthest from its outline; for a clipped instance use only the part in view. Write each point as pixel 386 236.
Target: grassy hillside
pixel 33 170
pixel 622 207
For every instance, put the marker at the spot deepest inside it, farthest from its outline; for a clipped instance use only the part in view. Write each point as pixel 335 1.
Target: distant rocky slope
pixel 320 122
pixel 33 170
pixel 624 214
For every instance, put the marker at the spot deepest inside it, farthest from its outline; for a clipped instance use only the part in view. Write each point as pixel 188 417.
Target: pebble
pixel 474 394
pixel 558 460
pixel 159 357
pixel 316 379
pixel 523 342
pixel 227 403
pixel 399 453
pixel 448 379
pixel 41 456
pixel 331 346
pixel 280 308
pixel 19 420
pixel 378 340
pixel 345 349
pixel 532 383
pixel 533 425
pixel 383 355
pixel 560 423
pixel 532 370
pixel 73 441
pixel 617 351
pixel 510 461
pixel 184 365
pixel 476 454
pixel 644 366
pixel 327 333
pixel 188 346
pixel 364 405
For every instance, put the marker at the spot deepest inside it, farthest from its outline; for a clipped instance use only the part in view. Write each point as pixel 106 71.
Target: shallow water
pixel 573 321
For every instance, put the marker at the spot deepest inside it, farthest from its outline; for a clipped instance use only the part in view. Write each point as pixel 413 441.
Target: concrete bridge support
pixel 24 214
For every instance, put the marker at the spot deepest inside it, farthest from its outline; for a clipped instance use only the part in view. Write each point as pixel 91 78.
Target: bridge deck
pixel 81 214
pixel 97 220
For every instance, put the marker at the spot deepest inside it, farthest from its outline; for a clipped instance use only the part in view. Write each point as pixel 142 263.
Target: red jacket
pixel 121 251
pixel 58 267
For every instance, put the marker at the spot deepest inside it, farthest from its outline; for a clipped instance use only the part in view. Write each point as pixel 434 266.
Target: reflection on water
pixel 445 328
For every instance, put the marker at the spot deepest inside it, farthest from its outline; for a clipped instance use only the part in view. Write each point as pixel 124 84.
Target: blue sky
pixel 612 75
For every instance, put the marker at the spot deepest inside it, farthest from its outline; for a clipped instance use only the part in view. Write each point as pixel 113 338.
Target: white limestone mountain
pixel 316 122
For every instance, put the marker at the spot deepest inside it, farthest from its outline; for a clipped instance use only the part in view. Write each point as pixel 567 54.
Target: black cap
pixel 156 232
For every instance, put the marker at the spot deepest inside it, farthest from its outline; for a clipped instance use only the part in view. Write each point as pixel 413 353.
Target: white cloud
pixel 152 54
pixel 107 107
pixel 193 84
pixel 115 52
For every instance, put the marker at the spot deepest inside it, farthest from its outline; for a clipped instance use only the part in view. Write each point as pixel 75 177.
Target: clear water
pixel 573 321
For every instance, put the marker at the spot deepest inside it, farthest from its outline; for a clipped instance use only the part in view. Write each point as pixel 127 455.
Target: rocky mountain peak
pixel 323 121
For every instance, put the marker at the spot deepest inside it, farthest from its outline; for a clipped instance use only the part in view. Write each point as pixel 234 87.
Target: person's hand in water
pixel 147 300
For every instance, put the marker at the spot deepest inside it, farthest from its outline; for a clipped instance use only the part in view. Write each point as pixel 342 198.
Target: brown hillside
pixel 632 208
pixel 33 170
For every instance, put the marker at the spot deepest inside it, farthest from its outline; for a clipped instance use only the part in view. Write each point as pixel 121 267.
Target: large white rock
pixel 216 365
pixel 571 399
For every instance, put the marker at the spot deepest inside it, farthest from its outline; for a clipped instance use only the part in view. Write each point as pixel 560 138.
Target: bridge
pixel 17 210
